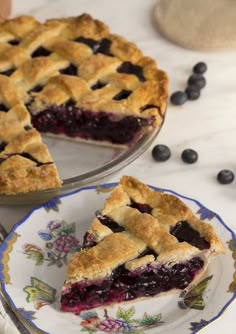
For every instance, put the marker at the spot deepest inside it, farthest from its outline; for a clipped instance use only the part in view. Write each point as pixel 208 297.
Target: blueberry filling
pixel 14 42
pixel 101 46
pixel 92 43
pixel 123 94
pixel 144 208
pixel 8 72
pixel 27 127
pixel 98 85
pixel 2 146
pixel 184 232
pixel 89 240
pixel 125 285
pixel 86 124
pixel 128 67
pixel 105 47
pixel 147 251
pixel 41 52
pixel 70 70
pixel 148 106
pixel 36 89
pixel 25 155
pixel 105 220
pixel 3 108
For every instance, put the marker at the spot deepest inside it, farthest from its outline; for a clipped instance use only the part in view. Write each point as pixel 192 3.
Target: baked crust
pixel 58 36
pixel 141 230
pixel 34 59
pixel 26 165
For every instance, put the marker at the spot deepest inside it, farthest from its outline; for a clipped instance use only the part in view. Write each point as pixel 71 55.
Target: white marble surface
pixel 207 125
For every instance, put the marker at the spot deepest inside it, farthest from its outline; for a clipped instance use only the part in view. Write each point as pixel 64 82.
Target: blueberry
pixel 200 68
pixel 189 156
pixel 178 98
pixel 197 80
pixel 193 92
pixel 161 152
pixel 225 176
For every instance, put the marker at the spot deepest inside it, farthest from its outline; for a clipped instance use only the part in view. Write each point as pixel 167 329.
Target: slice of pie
pixel 26 164
pixel 142 243
pixel 71 77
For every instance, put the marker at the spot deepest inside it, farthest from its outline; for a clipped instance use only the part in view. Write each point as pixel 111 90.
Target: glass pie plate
pixel 81 164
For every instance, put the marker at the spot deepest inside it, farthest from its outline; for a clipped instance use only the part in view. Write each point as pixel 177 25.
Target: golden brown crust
pixel 22 179
pixel 22 72
pixel 26 165
pixel 98 262
pixel 143 231
pixel 57 35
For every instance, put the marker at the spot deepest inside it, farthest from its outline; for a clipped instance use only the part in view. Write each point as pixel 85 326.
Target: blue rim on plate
pixel 53 206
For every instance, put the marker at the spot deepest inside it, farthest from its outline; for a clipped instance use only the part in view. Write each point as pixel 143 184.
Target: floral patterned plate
pixel 33 261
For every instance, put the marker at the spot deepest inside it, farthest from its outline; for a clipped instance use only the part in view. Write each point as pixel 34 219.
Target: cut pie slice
pixel 26 165
pixel 142 243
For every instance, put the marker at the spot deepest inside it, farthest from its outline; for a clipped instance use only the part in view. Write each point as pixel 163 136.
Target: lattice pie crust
pixel 70 76
pixel 142 243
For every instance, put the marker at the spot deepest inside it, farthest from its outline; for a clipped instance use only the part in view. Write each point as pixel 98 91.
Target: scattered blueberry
pixel 200 68
pixel 193 92
pixel 161 152
pixel 225 176
pixel 178 98
pixel 189 156
pixel 197 80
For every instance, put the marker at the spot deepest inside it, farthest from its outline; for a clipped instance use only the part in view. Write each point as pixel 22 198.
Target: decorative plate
pixel 33 263
pixel 80 164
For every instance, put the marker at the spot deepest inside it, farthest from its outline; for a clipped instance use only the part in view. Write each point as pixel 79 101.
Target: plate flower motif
pixel 193 298
pixel 197 326
pixel 40 293
pixel 59 243
pixel 124 322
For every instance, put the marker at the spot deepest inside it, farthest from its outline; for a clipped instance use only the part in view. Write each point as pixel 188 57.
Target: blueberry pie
pixel 142 243
pixel 72 77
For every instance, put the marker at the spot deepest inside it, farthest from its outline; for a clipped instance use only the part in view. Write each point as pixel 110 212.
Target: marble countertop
pixel 207 125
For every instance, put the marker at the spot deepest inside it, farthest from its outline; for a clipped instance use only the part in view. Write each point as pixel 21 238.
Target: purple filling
pixel 8 72
pixel 25 155
pixel 14 42
pixel 184 232
pixel 70 70
pixel 92 43
pixel 105 220
pixel 123 94
pixel 98 85
pixel 128 67
pixel 2 146
pixel 75 122
pixel 36 89
pixel 27 127
pixel 3 108
pixel 101 46
pixel 124 285
pixel 89 240
pixel 147 251
pixel 41 52
pixel 144 208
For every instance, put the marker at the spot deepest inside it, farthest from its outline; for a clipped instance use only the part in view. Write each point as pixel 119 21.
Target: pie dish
pixel 73 78
pixel 141 244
